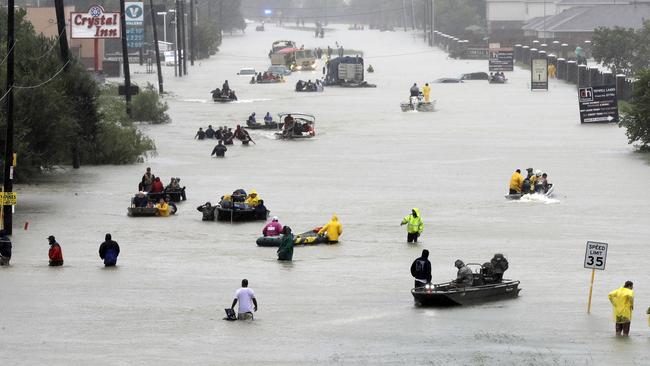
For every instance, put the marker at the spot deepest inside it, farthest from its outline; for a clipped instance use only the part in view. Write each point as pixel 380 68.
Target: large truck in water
pixel 295 59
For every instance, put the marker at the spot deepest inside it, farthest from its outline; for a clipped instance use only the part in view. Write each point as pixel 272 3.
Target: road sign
pixel 96 24
pixel 8 198
pixel 134 16
pixel 598 104
pixel 596 255
pixel 539 74
pixel 501 59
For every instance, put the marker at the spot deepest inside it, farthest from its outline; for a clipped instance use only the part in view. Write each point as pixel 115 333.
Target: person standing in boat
pixel 109 251
pixel 426 91
pixel 516 182
pixel 333 230
pixel 414 226
pixel 415 91
pixel 421 269
pixel 147 181
pixel 622 300
pixel 273 228
pixel 55 254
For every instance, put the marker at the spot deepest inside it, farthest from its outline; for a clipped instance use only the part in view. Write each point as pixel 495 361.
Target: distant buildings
pixel 567 20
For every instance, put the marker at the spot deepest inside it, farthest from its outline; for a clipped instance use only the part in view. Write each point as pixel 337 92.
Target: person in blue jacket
pixel 109 251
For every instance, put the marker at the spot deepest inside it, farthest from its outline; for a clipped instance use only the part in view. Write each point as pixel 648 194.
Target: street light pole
pixel 157 47
pixel 164 14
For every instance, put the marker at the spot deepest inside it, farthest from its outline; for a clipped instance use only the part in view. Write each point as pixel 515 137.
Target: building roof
pixel 588 18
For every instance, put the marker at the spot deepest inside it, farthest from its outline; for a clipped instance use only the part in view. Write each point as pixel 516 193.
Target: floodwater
pixel 370 164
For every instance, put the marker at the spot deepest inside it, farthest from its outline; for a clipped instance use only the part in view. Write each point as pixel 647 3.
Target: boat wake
pixel 538 198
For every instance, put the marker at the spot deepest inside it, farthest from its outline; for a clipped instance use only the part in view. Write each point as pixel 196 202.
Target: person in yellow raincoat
pixel 163 208
pixel 622 300
pixel 333 229
pixel 426 91
pixel 414 226
pixel 253 199
pixel 551 71
pixel 516 180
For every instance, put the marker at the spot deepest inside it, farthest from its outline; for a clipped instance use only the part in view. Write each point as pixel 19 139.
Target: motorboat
pixel 417 104
pixel 445 294
pixel 303 126
pixel 548 193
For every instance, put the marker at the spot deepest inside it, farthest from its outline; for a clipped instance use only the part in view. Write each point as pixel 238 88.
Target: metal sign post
pixel 595 259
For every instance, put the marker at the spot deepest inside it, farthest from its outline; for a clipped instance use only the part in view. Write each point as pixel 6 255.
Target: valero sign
pixel 96 23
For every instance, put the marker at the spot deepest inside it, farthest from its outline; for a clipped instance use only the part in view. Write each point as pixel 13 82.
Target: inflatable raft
pixel 304 239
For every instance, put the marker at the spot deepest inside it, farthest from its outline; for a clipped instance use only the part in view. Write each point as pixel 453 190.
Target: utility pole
pixel 192 49
pixel 63 38
pixel 156 46
pixel 59 7
pixel 404 13
pixel 425 19
pixel 125 60
pixel 178 17
pixel 7 210
pixel 431 16
pixel 413 15
pixel 184 40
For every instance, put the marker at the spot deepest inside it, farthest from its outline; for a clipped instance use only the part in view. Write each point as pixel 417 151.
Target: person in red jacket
pixel 157 186
pixel 55 253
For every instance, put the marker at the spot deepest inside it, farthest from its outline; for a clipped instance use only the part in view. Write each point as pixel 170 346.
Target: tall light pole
pixel 156 47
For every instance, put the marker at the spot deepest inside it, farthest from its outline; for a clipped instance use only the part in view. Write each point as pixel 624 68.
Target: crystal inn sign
pixel 95 24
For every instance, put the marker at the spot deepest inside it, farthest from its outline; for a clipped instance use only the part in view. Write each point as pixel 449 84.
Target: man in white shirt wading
pixel 247 302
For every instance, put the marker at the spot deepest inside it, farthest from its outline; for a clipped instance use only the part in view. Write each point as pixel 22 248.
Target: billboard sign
pixel 95 24
pixel 598 104
pixel 539 74
pixel 134 16
pixel 502 59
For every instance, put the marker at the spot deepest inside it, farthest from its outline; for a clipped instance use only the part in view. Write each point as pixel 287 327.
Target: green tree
pixel 55 111
pixel 637 119
pixel 615 48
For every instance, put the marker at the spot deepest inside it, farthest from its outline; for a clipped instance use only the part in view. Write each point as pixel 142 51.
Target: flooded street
pixel 370 164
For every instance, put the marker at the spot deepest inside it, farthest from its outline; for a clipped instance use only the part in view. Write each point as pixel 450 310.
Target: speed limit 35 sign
pixel 596 255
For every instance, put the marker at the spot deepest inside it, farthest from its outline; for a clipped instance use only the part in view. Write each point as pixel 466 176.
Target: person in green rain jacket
pixel 414 226
pixel 285 251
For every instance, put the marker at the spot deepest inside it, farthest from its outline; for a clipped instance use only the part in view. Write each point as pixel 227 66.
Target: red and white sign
pixel 96 23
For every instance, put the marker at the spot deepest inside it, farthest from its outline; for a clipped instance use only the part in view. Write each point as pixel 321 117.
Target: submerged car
pixel 474 76
pixel 246 71
pixel 279 70
pixel 447 81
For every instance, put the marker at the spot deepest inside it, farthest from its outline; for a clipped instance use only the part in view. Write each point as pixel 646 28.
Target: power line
pixel 46 81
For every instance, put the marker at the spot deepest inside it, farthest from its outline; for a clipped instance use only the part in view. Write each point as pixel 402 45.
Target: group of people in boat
pixel 267 77
pixel 491 272
pixel 153 194
pixel 237 200
pixel 224 93
pixel 534 182
pixel 309 86
pixel 498 76
pixel 251 121
pixel 416 95
pixel 292 127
